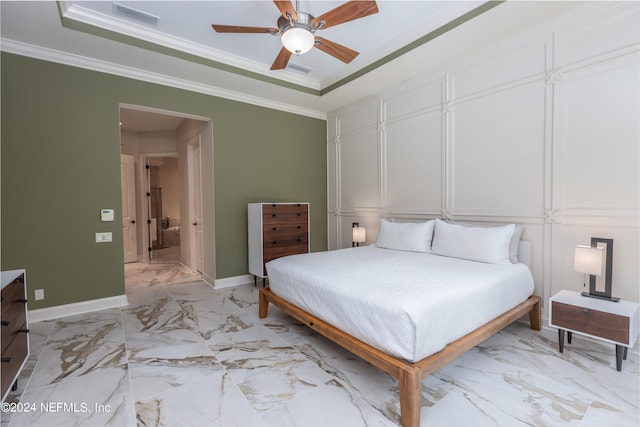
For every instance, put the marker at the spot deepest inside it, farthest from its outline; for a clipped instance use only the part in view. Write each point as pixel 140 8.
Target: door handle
pixel 195 223
pixel 133 221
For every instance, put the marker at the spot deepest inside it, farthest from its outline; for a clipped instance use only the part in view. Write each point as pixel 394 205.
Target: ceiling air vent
pixel 299 68
pixel 138 15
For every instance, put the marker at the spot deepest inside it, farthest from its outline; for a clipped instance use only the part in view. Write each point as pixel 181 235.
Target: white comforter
pixel 409 305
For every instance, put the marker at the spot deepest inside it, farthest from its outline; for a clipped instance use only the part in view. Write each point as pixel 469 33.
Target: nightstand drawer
pixel 593 322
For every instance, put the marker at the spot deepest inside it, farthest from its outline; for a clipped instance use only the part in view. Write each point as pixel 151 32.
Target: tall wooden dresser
pixel 15 332
pixel 276 230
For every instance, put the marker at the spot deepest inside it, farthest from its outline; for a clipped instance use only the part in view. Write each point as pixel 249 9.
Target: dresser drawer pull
pixel 274 228
pixel 275 243
pixel 299 240
pixel 6 359
pixel 22 300
pixel 23 330
pixel 299 214
pixel 273 215
pixel 5 323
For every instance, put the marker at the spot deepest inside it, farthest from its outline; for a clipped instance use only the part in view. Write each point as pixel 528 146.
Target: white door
pixel 129 234
pixel 196 205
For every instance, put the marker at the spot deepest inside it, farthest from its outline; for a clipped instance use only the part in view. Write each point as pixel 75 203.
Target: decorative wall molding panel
pixel 541 129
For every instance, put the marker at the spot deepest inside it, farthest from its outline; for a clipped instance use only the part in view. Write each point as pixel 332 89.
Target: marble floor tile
pixel 267 369
pixel 519 393
pixel 185 354
pixel 99 398
pixel 213 401
pixel 160 315
pixel 77 347
pixel 159 362
pixel 327 405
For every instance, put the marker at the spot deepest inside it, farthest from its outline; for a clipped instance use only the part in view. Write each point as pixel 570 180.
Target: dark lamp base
pixel 612 299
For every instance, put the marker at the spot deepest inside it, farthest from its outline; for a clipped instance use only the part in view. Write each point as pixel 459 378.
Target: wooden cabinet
pixel 15 332
pixel 276 230
pixel 615 322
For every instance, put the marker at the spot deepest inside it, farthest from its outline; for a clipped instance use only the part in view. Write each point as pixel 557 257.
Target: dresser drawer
pixel 275 232
pixel 593 322
pixel 13 321
pixel 12 359
pixel 268 220
pixel 282 208
pixel 13 294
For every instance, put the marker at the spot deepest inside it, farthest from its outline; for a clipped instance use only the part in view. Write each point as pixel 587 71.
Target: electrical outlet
pixel 39 294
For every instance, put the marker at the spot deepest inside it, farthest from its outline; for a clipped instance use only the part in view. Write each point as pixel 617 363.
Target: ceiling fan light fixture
pixel 298 40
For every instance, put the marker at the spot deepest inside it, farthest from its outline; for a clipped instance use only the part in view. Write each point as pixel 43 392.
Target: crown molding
pixel 51 55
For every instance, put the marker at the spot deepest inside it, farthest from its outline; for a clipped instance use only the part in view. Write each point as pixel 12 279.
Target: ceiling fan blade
pixel 241 29
pixel 336 50
pixel 353 9
pixel 286 6
pixel 281 60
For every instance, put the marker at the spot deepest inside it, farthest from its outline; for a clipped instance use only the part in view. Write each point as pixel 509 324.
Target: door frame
pixel 192 194
pixel 129 190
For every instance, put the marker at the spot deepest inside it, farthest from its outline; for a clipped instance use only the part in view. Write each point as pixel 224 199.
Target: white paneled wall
pixel 541 130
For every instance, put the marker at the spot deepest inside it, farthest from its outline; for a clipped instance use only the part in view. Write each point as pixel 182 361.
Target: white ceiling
pixel 183 50
pixel 186 26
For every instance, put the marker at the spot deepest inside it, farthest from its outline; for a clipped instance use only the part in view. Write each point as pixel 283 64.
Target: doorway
pixel 173 154
pixel 163 213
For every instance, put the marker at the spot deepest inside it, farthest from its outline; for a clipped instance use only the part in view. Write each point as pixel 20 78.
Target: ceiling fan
pixel 297 29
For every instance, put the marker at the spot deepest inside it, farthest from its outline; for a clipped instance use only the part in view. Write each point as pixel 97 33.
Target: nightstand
pixel 614 322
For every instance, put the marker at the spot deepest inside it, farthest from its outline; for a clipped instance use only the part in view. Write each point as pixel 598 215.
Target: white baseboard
pixel 228 282
pixel 64 310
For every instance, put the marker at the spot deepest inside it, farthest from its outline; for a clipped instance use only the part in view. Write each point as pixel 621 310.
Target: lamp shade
pixel 298 40
pixel 589 260
pixel 359 234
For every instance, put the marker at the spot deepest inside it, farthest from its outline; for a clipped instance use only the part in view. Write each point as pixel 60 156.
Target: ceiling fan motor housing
pixel 304 20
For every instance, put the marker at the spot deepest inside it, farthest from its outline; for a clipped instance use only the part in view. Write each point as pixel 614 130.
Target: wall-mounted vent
pixel 300 68
pixel 135 14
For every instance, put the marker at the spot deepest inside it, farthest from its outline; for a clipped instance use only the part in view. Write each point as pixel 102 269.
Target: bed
pixel 413 301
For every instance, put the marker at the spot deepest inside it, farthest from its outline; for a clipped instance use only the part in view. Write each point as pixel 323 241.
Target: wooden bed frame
pixel 409 375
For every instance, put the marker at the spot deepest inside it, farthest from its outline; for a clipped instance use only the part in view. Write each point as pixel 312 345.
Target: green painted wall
pixel 60 158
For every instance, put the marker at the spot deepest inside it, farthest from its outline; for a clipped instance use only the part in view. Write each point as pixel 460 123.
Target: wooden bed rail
pixel 409 375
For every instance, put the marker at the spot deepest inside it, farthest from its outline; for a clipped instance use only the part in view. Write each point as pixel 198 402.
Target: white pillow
pixel 514 245
pixel 405 236
pixel 490 245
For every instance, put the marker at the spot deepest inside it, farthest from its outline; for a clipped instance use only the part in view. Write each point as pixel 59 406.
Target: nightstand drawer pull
pixel 5 323
pixel 585 310
pixel 6 359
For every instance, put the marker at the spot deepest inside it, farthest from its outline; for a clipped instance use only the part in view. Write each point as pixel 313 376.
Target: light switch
pixel 106 215
pixel 104 237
